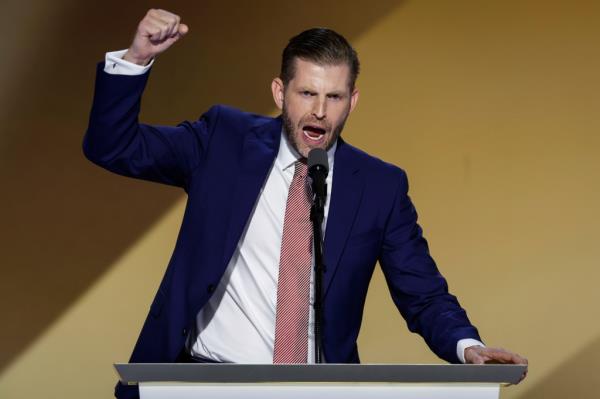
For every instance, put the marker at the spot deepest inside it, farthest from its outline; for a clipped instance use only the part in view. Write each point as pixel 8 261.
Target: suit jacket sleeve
pixel 419 291
pixel 117 141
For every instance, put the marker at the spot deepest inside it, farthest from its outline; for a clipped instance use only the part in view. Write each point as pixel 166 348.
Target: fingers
pixel 159 25
pixel 503 356
pixel 156 32
pixel 480 355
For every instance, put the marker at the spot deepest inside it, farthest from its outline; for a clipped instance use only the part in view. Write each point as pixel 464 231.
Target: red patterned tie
pixel 291 319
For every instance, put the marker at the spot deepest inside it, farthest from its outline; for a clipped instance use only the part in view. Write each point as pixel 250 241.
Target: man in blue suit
pixel 221 296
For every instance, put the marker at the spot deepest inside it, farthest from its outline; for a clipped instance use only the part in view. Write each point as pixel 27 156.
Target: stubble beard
pixel 290 130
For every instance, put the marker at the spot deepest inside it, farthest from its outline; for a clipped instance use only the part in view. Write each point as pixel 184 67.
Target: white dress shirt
pixel 238 322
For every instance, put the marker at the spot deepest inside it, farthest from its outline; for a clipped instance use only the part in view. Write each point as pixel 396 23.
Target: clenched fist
pixel 156 32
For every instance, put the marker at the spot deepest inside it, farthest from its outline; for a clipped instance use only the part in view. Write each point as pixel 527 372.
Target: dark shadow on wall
pixel 576 377
pixel 65 221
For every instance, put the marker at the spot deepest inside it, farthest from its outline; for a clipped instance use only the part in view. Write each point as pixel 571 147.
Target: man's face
pixel 315 104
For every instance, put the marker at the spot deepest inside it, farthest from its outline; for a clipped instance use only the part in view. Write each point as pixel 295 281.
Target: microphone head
pixel 317 159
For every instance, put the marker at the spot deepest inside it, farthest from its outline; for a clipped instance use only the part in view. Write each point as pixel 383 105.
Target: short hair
pixel 322 46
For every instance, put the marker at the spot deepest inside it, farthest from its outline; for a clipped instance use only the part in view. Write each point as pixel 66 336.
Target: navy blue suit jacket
pixel 222 160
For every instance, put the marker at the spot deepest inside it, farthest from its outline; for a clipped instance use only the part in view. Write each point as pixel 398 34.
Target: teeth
pixel 311 137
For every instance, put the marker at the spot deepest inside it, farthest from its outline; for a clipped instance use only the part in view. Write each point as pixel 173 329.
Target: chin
pixel 303 148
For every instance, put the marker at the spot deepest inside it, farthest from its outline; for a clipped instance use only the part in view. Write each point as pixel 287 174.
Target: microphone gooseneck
pixel 318 168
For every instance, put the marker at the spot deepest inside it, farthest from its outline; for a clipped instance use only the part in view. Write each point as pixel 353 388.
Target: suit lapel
pixel 346 195
pixel 258 153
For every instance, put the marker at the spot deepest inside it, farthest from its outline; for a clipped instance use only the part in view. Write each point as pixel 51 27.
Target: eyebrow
pixel 331 93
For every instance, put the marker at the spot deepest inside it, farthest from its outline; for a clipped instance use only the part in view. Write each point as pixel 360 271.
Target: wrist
pixel 130 56
pixel 463 344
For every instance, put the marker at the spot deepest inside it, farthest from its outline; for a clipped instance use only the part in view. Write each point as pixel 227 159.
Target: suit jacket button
pixel 184 332
pixel 210 288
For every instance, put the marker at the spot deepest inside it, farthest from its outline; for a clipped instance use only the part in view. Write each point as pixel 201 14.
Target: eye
pixel 306 93
pixel 335 96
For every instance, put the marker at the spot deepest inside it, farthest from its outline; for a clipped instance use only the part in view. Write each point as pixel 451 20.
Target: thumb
pixel 475 358
pixel 183 29
pixel 479 360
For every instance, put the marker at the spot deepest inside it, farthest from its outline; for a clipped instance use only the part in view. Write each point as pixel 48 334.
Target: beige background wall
pixel 491 107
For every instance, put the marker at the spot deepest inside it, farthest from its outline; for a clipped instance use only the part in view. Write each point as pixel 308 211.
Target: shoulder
pixel 373 167
pixel 232 117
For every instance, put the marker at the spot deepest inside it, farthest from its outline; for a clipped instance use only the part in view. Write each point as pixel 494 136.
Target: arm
pixel 419 291
pixel 117 141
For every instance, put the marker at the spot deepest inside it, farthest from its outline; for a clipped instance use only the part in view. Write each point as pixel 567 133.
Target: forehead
pixel 318 77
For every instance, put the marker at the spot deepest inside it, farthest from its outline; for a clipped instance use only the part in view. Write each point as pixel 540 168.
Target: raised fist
pixel 155 33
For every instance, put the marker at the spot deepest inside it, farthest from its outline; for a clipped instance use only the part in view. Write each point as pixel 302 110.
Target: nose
pixel 320 109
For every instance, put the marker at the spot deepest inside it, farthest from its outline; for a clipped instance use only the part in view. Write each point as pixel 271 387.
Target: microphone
pixel 318 168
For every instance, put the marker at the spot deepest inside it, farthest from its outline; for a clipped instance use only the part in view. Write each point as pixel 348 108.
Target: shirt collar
pixel 287 155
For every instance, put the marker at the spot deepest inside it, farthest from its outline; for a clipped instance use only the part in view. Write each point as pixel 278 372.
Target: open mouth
pixel 314 133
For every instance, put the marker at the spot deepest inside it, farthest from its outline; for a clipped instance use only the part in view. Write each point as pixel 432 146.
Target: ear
pixel 277 88
pixel 353 99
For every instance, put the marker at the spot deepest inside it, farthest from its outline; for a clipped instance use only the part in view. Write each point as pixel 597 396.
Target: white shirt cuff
pixel 463 344
pixel 115 65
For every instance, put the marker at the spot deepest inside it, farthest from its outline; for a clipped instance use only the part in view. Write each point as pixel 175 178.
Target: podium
pixel 331 381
